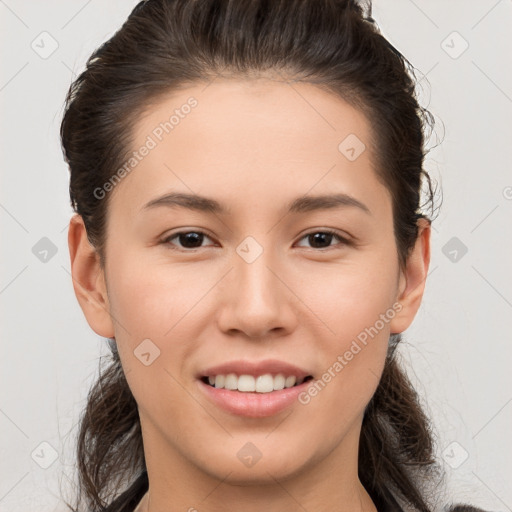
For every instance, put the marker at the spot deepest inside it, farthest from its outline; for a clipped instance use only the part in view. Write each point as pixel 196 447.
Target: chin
pixel 259 475
pixel 261 470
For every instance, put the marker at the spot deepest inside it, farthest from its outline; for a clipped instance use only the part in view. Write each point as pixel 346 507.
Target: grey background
pixel 459 348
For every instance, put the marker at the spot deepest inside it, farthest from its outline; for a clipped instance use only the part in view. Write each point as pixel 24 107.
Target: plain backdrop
pixel 458 350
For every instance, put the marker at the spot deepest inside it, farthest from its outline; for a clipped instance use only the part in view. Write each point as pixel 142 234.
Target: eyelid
pixel 344 238
pixel 166 238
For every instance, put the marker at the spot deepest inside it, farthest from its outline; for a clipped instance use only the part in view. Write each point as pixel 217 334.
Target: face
pixel 289 271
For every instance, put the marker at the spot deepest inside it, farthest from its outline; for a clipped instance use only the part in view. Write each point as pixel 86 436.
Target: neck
pixel 331 485
pixel 256 500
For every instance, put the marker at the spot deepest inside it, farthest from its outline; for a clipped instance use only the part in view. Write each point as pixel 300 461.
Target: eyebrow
pixel 299 205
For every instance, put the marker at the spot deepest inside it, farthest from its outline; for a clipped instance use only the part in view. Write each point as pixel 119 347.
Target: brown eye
pixel 187 239
pixel 323 239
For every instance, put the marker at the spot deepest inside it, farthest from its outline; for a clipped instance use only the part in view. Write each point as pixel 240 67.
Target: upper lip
pixel 255 368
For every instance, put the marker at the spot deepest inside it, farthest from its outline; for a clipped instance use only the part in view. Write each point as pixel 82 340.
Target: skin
pixel 253 145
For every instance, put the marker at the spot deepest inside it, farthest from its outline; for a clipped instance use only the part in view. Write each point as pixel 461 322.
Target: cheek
pixel 350 298
pixel 149 299
pixel 151 306
pixel 356 307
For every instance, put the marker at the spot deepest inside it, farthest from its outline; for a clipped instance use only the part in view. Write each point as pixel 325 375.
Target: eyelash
pixel 342 239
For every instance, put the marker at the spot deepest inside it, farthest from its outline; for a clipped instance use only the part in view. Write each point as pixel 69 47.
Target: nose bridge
pixel 258 285
pixel 259 301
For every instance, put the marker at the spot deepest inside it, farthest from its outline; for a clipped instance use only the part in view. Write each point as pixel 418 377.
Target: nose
pixel 256 299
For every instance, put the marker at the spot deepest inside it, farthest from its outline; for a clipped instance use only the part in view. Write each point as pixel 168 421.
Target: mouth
pixel 254 389
pixel 245 383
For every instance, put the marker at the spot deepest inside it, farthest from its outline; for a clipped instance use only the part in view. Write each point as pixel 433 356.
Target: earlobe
pixel 412 279
pixel 89 279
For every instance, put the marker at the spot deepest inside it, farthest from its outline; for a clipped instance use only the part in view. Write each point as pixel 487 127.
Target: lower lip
pixel 253 405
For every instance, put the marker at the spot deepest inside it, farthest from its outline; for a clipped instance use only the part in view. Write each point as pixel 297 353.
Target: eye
pixel 324 238
pixel 194 239
pixel 187 239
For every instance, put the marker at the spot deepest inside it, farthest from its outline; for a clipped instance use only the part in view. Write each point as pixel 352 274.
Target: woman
pixel 246 177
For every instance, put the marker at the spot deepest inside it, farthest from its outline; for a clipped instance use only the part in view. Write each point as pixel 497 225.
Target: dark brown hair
pixel 168 44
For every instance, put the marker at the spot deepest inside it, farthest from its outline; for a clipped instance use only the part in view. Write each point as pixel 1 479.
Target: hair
pixel 165 45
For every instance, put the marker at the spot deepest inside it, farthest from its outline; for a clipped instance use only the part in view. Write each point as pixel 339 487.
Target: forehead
pixel 258 137
pixel 259 113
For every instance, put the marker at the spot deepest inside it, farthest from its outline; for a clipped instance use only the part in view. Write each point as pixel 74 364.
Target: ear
pixel 411 284
pixel 89 279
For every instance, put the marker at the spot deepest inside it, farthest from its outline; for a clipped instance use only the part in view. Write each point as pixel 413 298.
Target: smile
pixel 266 383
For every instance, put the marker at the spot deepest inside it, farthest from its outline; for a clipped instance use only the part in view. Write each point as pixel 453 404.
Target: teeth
pixel 279 382
pixel 231 381
pixel 247 383
pixel 265 384
pixel 290 381
pixel 219 381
